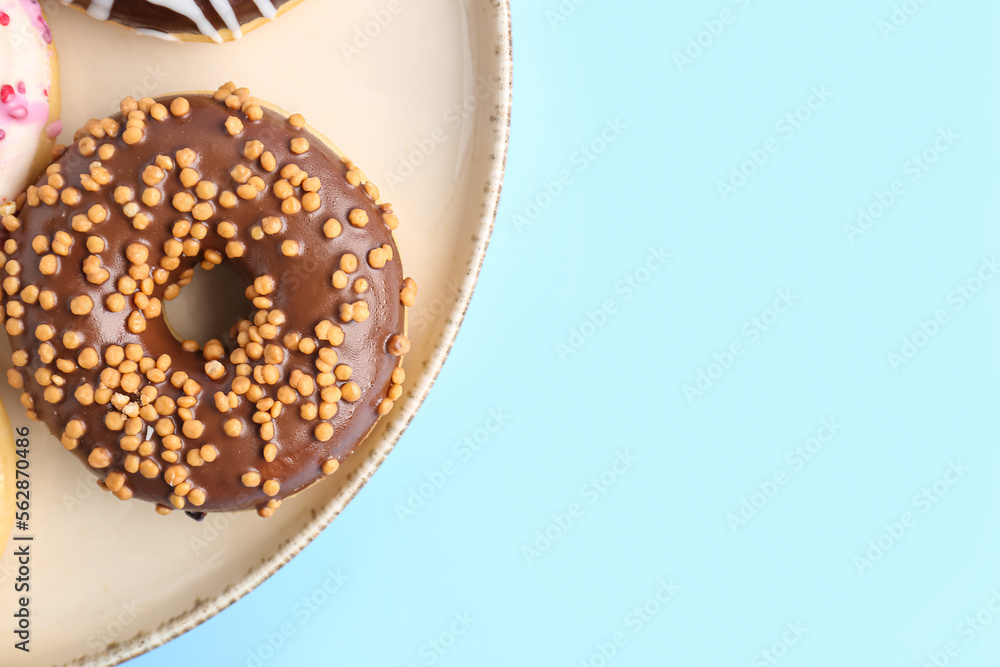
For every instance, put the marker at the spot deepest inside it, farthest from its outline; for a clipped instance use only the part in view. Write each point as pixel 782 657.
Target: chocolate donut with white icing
pixel 187 20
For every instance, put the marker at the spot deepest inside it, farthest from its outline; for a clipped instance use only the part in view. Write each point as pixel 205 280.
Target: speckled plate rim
pixel 489 203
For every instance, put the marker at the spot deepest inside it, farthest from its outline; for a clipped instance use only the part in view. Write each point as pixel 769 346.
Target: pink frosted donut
pixel 29 96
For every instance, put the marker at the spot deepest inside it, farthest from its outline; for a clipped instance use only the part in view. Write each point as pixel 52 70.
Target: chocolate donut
pixel 118 226
pixel 188 20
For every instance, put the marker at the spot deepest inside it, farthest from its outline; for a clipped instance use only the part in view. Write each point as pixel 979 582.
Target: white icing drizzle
pixel 225 10
pixel 266 8
pixel 190 9
pixel 159 34
pixel 100 9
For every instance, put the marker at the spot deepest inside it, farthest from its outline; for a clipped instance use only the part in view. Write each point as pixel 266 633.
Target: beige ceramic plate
pixel 420 99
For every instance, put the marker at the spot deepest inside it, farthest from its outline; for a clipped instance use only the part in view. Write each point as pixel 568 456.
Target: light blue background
pixel 826 357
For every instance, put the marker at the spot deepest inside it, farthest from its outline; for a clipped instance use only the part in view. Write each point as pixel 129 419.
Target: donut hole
pixel 209 306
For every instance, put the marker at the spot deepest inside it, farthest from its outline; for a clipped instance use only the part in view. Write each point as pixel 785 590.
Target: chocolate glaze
pixel 303 292
pixel 146 15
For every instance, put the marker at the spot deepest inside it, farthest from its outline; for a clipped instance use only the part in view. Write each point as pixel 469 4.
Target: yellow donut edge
pixel 43 157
